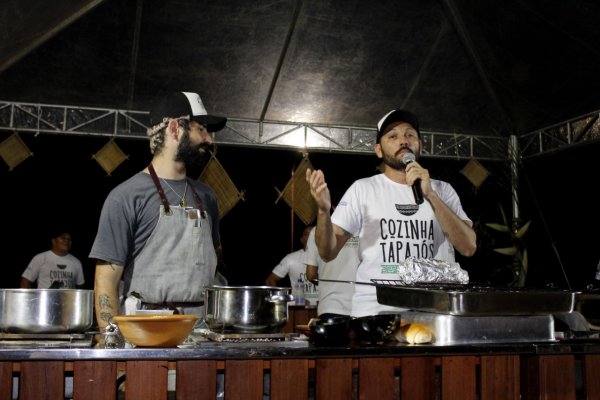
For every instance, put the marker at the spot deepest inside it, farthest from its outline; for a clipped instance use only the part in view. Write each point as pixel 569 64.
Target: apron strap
pixel 163 197
pixel 197 200
pixel 161 192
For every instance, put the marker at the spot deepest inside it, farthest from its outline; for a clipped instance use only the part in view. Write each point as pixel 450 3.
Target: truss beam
pixel 88 121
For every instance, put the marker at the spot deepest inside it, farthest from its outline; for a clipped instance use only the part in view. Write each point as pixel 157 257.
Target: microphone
pixel 416 187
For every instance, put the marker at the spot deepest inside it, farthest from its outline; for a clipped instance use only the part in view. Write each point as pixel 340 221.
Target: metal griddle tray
pixel 456 330
pixel 473 300
pixel 44 340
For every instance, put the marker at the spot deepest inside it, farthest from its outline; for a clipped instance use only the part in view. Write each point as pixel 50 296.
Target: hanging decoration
pixel 215 176
pixel 110 156
pixel 14 151
pixel 297 193
pixel 475 172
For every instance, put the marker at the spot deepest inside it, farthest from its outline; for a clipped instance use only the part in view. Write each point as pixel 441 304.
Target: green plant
pixel 517 250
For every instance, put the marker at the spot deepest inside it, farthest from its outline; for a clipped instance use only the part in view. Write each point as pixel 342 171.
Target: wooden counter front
pixel 390 372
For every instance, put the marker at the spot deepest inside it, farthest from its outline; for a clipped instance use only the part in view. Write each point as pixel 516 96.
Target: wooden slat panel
pixel 376 378
pixel 146 380
pixel 591 377
pixel 542 377
pixel 289 379
pixel 530 371
pixel 459 378
pixel 244 379
pixel 549 377
pixel 196 379
pixel 417 378
pixel 95 380
pixel 500 377
pixel 42 380
pixel 333 378
pixel 6 380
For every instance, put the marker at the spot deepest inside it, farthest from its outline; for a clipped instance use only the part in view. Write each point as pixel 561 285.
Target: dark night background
pixel 61 184
pixel 493 68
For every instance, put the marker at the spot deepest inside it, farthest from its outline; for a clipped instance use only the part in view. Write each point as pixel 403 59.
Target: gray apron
pixel 177 261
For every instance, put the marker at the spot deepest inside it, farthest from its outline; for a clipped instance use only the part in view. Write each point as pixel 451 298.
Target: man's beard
pixel 191 154
pixel 396 163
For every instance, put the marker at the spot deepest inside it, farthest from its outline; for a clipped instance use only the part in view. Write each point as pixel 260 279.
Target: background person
pixel 55 268
pixel 159 230
pixel 293 265
pixel 383 212
pixel 335 298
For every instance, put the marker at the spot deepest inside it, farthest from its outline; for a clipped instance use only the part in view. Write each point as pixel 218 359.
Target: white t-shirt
pixel 391 228
pixel 53 271
pixel 335 298
pixel 293 265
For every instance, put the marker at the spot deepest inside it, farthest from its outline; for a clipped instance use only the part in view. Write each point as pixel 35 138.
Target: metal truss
pixel 127 124
pixel 576 131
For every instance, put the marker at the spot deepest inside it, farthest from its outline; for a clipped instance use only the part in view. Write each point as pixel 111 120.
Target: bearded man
pixel 394 220
pixel 158 235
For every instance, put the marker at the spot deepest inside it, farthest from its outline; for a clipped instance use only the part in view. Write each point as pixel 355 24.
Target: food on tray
pixel 419 270
pixel 414 333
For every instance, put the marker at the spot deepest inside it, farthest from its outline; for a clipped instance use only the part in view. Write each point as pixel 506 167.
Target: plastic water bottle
pixel 299 293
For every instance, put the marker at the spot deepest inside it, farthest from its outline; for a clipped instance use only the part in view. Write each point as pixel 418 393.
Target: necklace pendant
pixel 183 203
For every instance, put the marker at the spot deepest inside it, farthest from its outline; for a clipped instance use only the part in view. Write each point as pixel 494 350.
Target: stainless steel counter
pixel 213 350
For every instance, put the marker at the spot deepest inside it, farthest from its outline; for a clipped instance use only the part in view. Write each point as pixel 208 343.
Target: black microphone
pixel 416 187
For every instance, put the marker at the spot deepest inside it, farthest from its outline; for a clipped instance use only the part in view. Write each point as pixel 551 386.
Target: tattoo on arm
pixel 104 301
pixel 106 316
pixel 106 310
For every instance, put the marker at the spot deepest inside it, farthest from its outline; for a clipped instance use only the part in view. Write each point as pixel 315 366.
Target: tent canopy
pixel 495 68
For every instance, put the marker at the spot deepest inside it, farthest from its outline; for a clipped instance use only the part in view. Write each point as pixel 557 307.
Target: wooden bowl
pixel 155 330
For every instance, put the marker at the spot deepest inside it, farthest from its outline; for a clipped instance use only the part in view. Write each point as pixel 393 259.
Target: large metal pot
pixel 246 309
pixel 46 310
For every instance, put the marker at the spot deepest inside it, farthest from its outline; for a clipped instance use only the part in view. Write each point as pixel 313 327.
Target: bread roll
pixel 414 333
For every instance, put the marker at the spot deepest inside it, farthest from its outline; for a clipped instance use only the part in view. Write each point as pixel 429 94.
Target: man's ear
pixel 173 129
pixel 378 150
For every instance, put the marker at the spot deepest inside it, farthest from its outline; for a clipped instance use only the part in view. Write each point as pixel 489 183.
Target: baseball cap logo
pixel 195 103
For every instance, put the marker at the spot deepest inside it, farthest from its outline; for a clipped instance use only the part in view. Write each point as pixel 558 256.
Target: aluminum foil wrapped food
pixel 423 270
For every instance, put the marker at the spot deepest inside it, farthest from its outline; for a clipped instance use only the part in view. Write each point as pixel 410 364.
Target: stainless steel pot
pixel 46 310
pixel 246 309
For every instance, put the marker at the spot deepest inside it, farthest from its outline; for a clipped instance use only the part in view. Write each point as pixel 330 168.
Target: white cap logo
pixel 382 120
pixel 196 104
